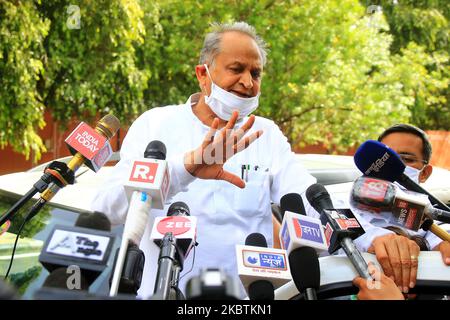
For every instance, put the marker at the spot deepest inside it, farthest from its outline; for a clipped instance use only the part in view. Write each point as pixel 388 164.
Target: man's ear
pixel 425 173
pixel 202 76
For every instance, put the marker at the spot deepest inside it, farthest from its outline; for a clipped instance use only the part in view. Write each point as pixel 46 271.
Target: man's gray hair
pixel 211 45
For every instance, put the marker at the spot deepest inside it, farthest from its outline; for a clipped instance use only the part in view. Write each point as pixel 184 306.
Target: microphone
pixel 407 210
pixel 146 187
pixel 212 284
pixel 340 229
pixel 261 269
pixel 298 230
pixel 259 289
pixel 75 256
pixel 305 270
pixel 176 235
pixel 91 146
pixel 88 146
pixel 377 160
pixel 60 278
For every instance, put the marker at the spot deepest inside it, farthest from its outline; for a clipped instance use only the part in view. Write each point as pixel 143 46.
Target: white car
pixel 337 173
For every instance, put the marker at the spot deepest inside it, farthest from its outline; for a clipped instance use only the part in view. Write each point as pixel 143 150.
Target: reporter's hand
pixel 381 288
pixel 206 162
pixel 398 258
pixel 444 248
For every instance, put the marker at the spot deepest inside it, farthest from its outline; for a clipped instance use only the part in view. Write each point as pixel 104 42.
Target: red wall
pixel 11 161
pixel 53 139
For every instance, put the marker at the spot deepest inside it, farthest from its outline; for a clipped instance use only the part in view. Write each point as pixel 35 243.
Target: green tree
pixel 74 60
pixel 22 33
pixel 330 76
pixel 421 42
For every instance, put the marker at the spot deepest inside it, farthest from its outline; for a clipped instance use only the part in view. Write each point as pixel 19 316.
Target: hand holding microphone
pixel 342 230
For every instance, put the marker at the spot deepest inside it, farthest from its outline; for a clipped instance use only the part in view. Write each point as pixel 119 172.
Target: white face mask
pixel 413 173
pixel 223 103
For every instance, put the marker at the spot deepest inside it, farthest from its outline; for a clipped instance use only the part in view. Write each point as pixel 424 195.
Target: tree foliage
pixel 335 69
pixel 421 42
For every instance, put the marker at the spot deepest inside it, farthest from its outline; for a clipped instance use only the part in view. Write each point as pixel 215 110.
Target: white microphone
pixel 146 187
pixel 261 269
pixel 298 230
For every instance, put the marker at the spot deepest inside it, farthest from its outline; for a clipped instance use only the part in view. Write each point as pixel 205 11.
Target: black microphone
pixel 305 270
pixel 341 236
pixel 175 235
pixel 60 278
pixel 81 251
pixel 292 202
pixel 259 289
pixel 375 159
pixel 303 261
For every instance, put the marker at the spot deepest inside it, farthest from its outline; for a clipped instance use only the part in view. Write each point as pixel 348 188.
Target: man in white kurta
pixel 226 214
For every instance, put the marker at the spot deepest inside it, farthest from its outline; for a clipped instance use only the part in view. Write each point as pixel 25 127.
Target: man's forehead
pixel 404 142
pixel 236 47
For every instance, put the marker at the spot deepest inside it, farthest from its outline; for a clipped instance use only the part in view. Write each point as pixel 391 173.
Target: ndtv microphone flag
pixel 94 147
pixel 150 176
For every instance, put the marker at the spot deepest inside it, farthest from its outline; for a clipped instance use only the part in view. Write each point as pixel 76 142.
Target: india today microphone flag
pixel 91 146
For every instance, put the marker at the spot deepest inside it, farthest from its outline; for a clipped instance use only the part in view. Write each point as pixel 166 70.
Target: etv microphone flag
pixel 298 231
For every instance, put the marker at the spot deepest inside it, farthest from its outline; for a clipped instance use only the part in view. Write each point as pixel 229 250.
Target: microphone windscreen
pixel 292 202
pixel 318 197
pixel 261 290
pixel 96 220
pixel 109 125
pixel 305 268
pixel 59 278
pixel 256 240
pixel 377 160
pixel 178 208
pixel 155 150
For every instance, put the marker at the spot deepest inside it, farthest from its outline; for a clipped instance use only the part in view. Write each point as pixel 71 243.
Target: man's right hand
pixel 381 288
pixel 206 162
pixel 398 258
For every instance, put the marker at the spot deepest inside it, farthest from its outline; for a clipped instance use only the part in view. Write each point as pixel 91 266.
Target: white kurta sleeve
pixel 111 198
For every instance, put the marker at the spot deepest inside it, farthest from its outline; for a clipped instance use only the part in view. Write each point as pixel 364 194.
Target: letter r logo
pixel 144 172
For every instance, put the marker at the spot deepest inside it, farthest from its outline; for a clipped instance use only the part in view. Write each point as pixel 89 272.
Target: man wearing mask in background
pixel 398 254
